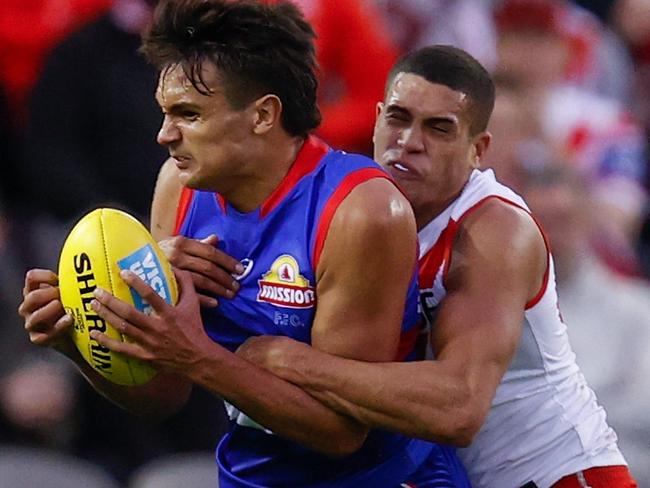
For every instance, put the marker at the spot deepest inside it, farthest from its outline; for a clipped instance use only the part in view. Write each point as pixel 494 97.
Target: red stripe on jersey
pixel 182 208
pixel 456 225
pixel 599 477
pixel 433 259
pixel 348 184
pixel 221 201
pixel 310 154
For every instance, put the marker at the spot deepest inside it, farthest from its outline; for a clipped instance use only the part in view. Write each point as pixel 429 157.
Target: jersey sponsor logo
pixel 284 286
pixel 146 265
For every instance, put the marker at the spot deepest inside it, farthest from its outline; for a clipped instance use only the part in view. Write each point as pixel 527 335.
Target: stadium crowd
pixel 570 134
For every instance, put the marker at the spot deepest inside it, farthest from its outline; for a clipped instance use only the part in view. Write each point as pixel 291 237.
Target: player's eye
pixel 396 118
pixel 440 127
pixel 189 115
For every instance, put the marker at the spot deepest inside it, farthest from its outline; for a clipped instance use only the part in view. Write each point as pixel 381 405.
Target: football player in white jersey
pixel 504 384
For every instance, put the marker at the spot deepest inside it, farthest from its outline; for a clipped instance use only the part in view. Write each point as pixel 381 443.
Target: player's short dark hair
pixel 456 69
pixel 257 49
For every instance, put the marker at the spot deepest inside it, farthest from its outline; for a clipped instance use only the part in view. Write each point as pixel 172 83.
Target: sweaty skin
pixel 359 314
pixel 423 137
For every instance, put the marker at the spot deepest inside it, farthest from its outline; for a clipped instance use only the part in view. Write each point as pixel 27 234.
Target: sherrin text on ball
pixel 103 243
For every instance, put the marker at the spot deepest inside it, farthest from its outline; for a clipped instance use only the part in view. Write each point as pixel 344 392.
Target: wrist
pixel 292 363
pixel 210 359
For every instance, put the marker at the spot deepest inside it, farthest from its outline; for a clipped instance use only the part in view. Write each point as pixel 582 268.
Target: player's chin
pixel 189 180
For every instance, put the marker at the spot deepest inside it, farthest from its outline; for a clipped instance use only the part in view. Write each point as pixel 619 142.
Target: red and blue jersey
pixel 280 244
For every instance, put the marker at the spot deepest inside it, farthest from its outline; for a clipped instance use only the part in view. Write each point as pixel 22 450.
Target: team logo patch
pixel 247 263
pixel 284 286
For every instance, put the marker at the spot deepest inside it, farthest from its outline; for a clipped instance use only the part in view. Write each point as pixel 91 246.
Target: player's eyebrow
pixel 451 121
pixel 394 109
pixel 178 107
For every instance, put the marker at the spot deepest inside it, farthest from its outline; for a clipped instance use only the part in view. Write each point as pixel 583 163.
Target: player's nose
pixel 168 132
pixel 410 139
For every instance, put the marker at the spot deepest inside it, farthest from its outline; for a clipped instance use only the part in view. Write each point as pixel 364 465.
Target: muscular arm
pixel 165 201
pixel 359 316
pixel 211 269
pixel 498 263
pixel 48 326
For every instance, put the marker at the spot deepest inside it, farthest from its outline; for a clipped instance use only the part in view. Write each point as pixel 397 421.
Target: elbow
pixel 465 424
pixel 351 445
pixel 160 399
pixel 457 425
pixel 345 444
pixel 464 432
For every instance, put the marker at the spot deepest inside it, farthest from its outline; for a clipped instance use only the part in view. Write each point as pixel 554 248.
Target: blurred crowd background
pixel 77 130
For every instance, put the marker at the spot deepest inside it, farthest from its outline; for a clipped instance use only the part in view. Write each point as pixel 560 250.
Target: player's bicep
pixel 364 272
pixel 495 270
pixel 165 201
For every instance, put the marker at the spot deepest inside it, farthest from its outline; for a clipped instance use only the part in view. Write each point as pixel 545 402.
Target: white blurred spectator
pixel 607 315
pixel 549 50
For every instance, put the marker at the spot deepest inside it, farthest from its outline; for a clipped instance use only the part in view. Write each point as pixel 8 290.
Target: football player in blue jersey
pixel 324 248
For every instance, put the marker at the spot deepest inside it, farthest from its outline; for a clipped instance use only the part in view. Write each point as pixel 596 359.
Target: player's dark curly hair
pixel 456 69
pixel 257 49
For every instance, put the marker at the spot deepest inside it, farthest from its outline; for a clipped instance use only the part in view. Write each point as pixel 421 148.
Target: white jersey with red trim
pixel 544 422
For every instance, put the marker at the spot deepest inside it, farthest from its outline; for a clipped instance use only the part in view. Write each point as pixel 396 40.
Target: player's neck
pixel 278 154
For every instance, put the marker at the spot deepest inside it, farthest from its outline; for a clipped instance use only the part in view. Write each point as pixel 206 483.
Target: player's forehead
pixel 421 97
pixel 174 86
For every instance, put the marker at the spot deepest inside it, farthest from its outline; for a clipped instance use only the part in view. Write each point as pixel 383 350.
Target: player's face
pixel 208 139
pixel 422 137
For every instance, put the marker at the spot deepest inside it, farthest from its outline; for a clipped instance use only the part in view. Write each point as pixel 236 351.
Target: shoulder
pixel 168 174
pixel 503 240
pixel 349 161
pixel 165 201
pixel 501 220
pixel 373 218
pixel 375 202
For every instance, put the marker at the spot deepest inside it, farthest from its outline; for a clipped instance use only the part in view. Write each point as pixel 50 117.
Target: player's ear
pixel 268 110
pixel 378 109
pixel 380 105
pixel 480 147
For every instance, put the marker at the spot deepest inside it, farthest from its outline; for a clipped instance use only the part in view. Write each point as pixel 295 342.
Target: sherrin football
pixel 99 246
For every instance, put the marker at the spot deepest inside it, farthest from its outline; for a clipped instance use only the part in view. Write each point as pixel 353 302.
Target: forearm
pixel 278 405
pixel 419 399
pixel 164 395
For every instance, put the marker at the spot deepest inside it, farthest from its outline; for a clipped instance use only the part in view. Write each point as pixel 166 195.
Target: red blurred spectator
pixel 355 54
pixel 594 57
pixel 467 24
pixel 540 17
pixel 553 49
pixel 28 29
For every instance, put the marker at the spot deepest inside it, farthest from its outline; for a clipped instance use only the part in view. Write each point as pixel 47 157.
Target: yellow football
pixel 99 246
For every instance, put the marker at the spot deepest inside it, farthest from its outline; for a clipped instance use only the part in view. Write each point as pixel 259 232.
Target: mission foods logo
pixel 284 286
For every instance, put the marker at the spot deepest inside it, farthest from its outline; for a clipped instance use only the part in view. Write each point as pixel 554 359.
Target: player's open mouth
pixel 403 170
pixel 181 161
pixel 401 167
